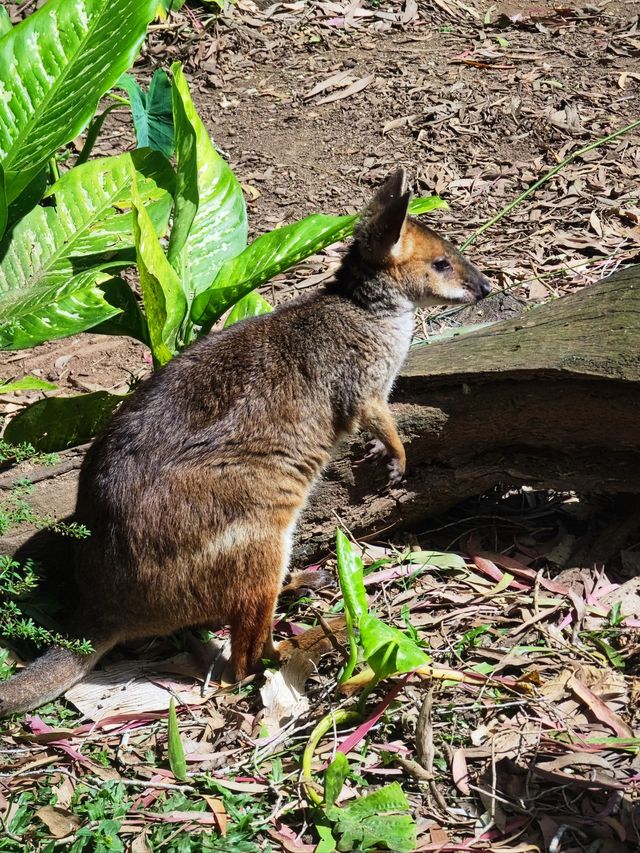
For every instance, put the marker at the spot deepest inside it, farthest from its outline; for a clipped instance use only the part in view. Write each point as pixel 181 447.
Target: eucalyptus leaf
pixel 203 239
pixel 58 423
pixel 54 67
pixel 439 559
pixel 276 251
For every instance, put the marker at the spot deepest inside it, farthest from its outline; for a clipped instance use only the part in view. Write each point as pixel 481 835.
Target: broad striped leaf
pixel 51 259
pixel 31 317
pixel 210 223
pixel 5 21
pixel 4 207
pixel 165 304
pixel 251 305
pixel 54 67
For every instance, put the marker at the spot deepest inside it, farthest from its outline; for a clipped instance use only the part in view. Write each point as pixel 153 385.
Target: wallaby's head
pixel 424 266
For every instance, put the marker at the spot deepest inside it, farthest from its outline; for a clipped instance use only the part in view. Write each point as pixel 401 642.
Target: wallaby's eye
pixel 441 265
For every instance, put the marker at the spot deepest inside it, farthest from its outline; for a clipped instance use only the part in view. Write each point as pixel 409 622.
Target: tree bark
pixel 550 399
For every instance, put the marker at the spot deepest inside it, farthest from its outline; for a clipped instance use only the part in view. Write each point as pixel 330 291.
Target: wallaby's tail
pixel 46 678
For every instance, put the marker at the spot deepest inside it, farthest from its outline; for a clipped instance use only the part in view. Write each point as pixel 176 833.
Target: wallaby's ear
pixel 380 226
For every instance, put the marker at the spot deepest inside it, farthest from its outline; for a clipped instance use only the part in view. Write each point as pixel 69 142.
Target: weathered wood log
pixel 549 399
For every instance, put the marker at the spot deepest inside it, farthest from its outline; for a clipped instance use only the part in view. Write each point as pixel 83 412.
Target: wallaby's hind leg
pixel 251 631
pixel 259 579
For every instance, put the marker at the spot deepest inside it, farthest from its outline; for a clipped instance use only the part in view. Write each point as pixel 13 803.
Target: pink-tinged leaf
pixel 600 591
pixel 521 571
pixel 52 738
pixel 599 708
pixel 203 818
pixel 489 568
pixel 289 840
pixel 355 737
pixel 460 772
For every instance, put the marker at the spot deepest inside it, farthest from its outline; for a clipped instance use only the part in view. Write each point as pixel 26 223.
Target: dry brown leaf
pixel 459 772
pixel 217 807
pixel 58 821
pixel 140 844
pixel 283 695
pixel 356 86
pixel 64 792
pixel 341 77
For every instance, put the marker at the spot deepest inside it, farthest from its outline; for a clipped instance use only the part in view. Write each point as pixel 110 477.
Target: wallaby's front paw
pixel 396 472
pixel 374 450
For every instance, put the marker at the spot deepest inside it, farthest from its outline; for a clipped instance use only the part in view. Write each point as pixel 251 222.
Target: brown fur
pixel 193 490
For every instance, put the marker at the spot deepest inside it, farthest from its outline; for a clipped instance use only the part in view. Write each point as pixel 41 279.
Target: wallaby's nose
pixel 478 284
pixel 485 287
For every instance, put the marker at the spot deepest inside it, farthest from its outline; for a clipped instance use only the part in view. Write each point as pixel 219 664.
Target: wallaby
pixel 193 490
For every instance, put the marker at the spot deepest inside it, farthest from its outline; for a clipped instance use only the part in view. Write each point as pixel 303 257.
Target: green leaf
pixel 92 134
pixel 152 111
pixel 5 22
pixel 373 822
pixel 28 198
pixel 131 321
pixel 350 574
pixel 177 761
pixel 4 205
pixel 204 237
pixel 327 843
pixel 58 423
pixel 54 67
pixel 164 301
pixel 51 259
pixel 388 650
pixel 31 317
pixel 274 252
pixel 334 778
pixel 439 559
pixel 251 305
pixel 27 383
